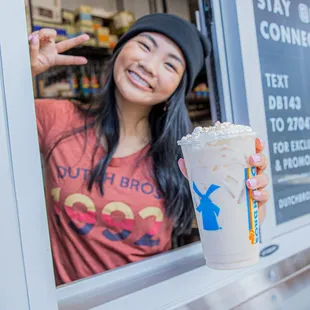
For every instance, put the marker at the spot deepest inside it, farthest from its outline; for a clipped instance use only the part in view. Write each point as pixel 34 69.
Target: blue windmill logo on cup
pixel 207 208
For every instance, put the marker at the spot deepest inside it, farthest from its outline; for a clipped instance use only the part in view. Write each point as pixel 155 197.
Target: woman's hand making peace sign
pixel 46 53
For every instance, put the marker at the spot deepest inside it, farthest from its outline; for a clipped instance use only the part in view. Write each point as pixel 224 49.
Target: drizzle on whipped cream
pixel 224 130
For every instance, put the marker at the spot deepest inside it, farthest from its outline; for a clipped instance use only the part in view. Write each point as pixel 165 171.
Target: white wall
pixel 108 5
pixel 48 3
pixel 179 7
pixel 138 7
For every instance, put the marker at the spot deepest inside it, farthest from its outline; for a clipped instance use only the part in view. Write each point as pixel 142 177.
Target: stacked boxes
pixel 122 22
pixel 60 29
pixel 83 16
pixel 68 19
pixel 103 31
pixel 103 34
pixel 47 13
pixel 112 41
pixel 84 24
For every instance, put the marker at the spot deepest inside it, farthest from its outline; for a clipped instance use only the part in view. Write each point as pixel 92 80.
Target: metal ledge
pixel 102 288
pixel 291 294
pixel 268 287
pixel 205 284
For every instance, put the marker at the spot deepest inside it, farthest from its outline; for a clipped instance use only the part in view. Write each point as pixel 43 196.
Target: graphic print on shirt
pixel 89 217
pixel 207 208
pixel 82 222
pixel 147 239
pixel 124 182
pixel 126 224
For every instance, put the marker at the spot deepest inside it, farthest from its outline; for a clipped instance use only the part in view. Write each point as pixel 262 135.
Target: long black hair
pixel 167 126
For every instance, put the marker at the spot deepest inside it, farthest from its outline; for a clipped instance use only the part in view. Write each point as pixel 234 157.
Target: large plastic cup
pixel 217 162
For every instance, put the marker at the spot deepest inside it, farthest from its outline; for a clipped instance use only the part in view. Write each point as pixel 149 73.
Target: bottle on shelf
pixel 94 83
pixel 84 84
pixel 197 104
pixel 74 82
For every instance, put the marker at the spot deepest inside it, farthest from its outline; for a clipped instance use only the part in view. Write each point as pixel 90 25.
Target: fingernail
pixel 29 37
pixel 257 193
pixel 256 158
pixel 34 39
pixel 251 183
pixel 262 142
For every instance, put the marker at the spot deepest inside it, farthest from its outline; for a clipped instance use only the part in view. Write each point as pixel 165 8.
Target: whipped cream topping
pixel 218 131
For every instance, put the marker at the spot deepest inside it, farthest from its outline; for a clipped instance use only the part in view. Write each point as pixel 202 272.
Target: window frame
pixel 26 266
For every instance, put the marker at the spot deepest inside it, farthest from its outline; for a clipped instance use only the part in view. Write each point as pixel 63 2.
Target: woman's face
pixel 148 69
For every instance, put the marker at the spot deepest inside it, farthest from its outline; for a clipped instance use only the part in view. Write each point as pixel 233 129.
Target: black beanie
pixel 191 42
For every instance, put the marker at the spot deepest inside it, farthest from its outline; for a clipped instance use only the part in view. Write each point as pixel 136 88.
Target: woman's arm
pixel 46 53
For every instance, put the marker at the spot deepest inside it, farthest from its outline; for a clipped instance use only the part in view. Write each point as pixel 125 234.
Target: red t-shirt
pixel 91 233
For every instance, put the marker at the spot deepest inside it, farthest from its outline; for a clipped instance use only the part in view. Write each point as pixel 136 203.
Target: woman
pixel 114 190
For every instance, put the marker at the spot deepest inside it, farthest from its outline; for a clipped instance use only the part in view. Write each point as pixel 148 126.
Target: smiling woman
pixel 120 195
pixel 148 69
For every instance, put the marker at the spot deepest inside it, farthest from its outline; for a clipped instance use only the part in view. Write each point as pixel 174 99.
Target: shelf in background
pixel 90 52
pixel 201 78
pixel 197 100
pixel 199 114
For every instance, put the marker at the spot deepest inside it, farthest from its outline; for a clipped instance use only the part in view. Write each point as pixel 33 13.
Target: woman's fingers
pixel 261 196
pixel 182 167
pixel 34 48
pixel 259 160
pixel 257 182
pixel 42 46
pixel 63 60
pixel 32 34
pixel 259 144
pixel 47 34
pixel 38 39
pixel 68 44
